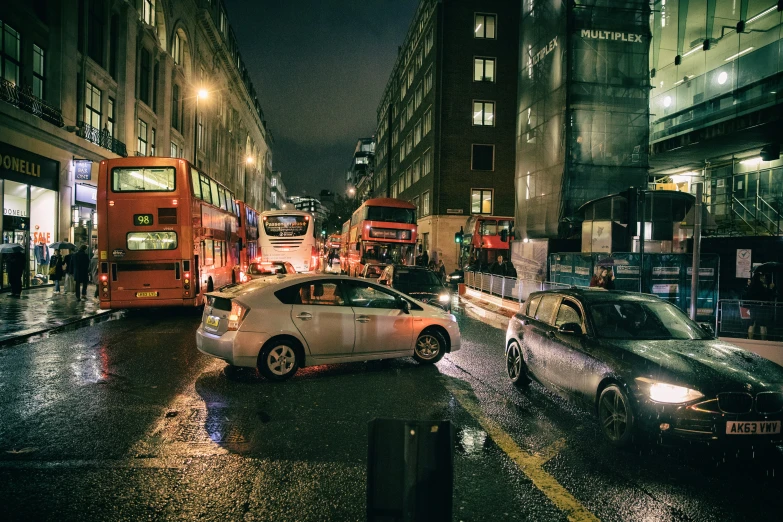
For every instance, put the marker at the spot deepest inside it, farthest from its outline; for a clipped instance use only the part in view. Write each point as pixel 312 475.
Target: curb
pixel 494 319
pixel 93 319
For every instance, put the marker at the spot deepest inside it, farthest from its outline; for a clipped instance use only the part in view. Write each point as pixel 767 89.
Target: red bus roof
pixel 388 202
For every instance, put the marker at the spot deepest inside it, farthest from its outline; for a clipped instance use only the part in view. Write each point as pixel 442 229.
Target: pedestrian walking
pixel 760 292
pixel 603 279
pixel 56 271
pixel 81 271
pixel 14 263
pixel 425 259
pixel 94 271
pixel 441 269
pixel 68 267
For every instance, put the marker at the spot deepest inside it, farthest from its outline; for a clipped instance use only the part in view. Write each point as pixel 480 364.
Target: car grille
pixel 730 402
pixel 769 402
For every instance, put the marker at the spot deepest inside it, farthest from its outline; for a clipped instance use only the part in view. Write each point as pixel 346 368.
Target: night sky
pixel 320 68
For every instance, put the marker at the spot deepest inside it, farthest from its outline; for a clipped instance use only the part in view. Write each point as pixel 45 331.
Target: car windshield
pixel 416 277
pixel 644 321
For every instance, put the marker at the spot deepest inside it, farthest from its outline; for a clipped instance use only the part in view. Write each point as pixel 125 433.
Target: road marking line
pixel 531 465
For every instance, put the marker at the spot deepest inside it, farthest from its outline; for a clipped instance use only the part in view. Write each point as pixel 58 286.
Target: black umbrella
pixel 8 248
pixel 62 245
pixel 772 266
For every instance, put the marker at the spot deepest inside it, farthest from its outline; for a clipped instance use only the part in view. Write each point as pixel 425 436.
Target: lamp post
pixel 248 163
pixel 201 94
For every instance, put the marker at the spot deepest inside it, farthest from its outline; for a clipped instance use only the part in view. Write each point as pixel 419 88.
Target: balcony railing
pixel 102 138
pixel 23 98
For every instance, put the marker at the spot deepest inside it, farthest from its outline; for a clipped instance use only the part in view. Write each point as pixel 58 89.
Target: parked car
pixel 644 368
pixel 279 324
pixel 269 268
pixel 373 270
pixel 418 282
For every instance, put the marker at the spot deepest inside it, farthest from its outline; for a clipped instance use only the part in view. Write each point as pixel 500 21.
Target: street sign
pixel 743 263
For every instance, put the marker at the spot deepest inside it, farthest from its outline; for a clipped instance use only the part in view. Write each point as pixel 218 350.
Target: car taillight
pixel 237 315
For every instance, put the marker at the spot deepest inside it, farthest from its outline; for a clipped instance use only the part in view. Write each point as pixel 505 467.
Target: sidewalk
pixel 40 310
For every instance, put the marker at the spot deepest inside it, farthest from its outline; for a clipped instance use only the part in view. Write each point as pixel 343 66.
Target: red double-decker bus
pixel 167 233
pixel 248 237
pixel 482 241
pixel 381 230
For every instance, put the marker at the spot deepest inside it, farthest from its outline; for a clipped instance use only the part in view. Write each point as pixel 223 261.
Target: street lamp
pixel 201 94
pixel 248 162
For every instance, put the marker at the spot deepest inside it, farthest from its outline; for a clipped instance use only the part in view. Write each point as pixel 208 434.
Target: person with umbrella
pixel 56 271
pixel 14 263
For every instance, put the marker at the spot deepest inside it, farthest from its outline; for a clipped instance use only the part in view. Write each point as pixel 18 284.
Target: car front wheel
pixel 616 415
pixel 516 367
pixel 277 362
pixel 430 347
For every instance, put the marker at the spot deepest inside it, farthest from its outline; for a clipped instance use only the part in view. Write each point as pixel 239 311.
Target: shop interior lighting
pixel 695 49
pixel 688 78
pixel 722 77
pixel 730 58
pixel 761 15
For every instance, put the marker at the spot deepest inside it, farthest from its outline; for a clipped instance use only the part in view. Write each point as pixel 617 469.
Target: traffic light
pixel 323 232
pixel 458 236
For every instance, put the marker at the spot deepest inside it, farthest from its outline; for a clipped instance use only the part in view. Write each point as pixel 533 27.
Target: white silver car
pixel 283 323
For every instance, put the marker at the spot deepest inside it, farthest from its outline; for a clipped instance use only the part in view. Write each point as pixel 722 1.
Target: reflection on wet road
pixel 125 419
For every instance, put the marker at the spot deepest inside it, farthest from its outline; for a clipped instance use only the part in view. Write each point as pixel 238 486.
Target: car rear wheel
pixel 516 367
pixel 278 362
pixel 616 415
pixel 430 347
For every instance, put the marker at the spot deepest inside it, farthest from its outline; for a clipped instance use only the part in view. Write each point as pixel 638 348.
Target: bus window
pixel 208 254
pixel 489 228
pixel 215 196
pixel 504 224
pixel 131 179
pixel 196 183
pixel 206 193
pixel 151 240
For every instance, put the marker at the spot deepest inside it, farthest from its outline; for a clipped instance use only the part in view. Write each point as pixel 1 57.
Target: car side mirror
pixel 570 328
pixel 708 329
pixel 405 306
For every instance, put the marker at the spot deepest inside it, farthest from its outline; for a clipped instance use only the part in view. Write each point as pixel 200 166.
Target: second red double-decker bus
pixel 381 230
pixel 167 233
pixel 483 241
pixel 248 237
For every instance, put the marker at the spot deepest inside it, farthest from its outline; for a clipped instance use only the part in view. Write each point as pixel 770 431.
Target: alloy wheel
pixel 614 415
pixel 281 360
pixel 427 347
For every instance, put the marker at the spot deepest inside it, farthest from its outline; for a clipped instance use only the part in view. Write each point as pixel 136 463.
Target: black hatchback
pixel 418 282
pixel 644 367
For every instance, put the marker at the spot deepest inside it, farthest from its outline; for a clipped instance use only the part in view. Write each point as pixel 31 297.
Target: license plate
pixel 213 321
pixel 146 294
pixel 753 428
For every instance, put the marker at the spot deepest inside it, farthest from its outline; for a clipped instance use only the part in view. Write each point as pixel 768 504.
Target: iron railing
pixel 102 138
pixel 24 99
pixel 750 319
pixel 510 288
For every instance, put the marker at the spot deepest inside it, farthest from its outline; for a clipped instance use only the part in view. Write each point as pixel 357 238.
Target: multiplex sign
pixel 543 52
pixel 611 35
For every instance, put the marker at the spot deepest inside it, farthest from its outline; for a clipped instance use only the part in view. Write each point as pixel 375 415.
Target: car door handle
pixel 305 316
pixel 363 319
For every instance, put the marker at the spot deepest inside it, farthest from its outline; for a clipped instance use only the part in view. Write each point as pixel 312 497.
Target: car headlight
pixel 670 393
pixel 444 298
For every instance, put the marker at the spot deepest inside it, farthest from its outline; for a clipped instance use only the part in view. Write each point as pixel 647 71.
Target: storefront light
pixel 75 216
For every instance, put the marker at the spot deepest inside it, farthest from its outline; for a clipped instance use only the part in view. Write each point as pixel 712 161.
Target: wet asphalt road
pixel 125 420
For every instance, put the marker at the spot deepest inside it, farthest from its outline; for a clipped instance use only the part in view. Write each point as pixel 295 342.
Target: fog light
pixel 664 426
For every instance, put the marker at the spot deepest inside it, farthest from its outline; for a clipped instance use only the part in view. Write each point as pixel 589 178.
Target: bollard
pixel 410 471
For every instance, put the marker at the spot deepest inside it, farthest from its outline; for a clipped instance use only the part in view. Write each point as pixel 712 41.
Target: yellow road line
pixel 531 465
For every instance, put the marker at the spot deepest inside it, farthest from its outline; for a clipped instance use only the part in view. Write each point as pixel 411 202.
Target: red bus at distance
pixel 482 240
pixel 247 231
pixel 381 230
pixel 167 233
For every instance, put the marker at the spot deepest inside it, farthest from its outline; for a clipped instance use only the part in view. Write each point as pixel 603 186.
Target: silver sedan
pixel 283 323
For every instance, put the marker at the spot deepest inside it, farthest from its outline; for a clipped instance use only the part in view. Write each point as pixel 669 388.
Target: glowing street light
pixel 203 94
pixel 249 160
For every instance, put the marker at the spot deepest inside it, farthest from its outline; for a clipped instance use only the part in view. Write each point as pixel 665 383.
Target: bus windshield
pixel 391 215
pixel 153 179
pixel 285 226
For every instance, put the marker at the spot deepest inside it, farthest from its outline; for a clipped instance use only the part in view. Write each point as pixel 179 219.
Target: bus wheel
pixel 210 285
